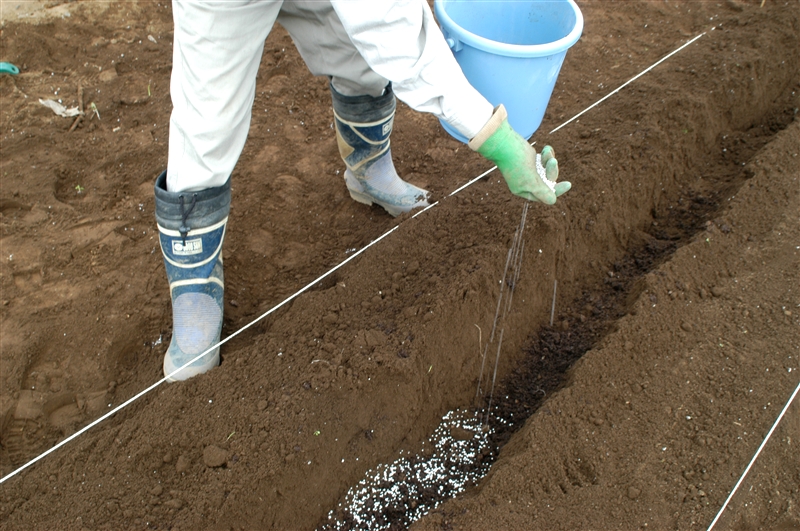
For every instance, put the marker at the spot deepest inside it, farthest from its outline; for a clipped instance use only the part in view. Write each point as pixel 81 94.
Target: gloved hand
pixel 516 160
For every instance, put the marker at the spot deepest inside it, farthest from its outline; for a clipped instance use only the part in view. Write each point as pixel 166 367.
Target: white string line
pixel 595 104
pixel 291 297
pixel 164 379
pixel 631 80
pixel 470 183
pixel 753 460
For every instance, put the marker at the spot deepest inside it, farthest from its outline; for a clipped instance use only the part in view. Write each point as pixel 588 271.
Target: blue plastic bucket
pixel 511 51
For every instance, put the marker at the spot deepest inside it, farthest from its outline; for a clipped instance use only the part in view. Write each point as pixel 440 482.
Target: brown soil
pixel 677 254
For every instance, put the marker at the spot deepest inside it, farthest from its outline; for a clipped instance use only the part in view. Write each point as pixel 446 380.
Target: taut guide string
pixel 304 289
pixel 753 460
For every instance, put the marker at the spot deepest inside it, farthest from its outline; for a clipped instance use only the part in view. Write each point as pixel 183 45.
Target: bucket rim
pixel 510 50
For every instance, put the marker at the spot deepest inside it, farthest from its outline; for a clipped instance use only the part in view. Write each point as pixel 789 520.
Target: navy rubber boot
pixel 191 228
pixel 363 128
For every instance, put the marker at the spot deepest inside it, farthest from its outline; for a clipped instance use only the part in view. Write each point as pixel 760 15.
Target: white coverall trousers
pixel 361 45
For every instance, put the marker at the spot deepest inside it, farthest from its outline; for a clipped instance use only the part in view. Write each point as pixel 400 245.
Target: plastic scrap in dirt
pixel 59 109
pixel 8 68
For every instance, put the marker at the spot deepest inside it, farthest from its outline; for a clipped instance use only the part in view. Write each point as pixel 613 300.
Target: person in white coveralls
pixel 372 51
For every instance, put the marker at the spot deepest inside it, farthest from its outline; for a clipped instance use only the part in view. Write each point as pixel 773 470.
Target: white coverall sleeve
pixel 400 41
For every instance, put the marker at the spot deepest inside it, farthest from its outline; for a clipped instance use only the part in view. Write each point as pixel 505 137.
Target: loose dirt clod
pixel 182 465
pixel 213 456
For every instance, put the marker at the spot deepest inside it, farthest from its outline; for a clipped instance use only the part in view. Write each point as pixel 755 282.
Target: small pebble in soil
pixel 461 434
pixel 175 503
pixel 182 465
pixel 214 456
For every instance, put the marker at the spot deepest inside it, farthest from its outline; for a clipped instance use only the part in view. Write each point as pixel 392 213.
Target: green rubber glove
pixel 516 160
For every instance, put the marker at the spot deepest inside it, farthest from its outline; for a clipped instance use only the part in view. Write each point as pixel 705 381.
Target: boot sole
pixel 366 199
pixel 191 370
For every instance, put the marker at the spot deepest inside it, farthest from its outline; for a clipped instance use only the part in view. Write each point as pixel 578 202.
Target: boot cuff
pixel 366 108
pixel 210 205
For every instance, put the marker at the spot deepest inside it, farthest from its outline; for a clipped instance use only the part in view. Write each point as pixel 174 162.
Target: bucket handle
pixel 452 41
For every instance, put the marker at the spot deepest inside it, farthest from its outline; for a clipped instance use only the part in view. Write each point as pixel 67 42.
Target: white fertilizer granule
pixel 405 490
pixel 540 170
